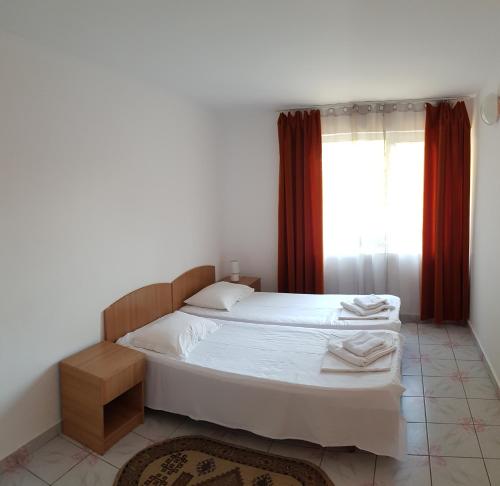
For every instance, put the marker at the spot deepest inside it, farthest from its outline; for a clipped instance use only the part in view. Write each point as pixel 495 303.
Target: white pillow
pixel 175 334
pixel 220 295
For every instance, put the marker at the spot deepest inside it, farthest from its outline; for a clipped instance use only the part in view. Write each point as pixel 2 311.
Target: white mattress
pixel 267 379
pixel 304 310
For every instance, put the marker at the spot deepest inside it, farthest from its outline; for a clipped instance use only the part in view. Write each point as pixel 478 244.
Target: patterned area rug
pixel 198 461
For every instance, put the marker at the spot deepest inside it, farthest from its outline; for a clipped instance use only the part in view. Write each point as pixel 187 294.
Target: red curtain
pixel 300 225
pixel 445 245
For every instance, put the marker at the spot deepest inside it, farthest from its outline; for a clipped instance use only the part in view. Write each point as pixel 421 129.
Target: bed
pixel 304 310
pixel 266 379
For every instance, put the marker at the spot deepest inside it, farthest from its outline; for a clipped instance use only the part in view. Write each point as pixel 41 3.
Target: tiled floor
pixel 450 404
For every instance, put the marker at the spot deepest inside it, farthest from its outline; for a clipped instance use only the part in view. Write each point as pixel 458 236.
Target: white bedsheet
pixel 267 379
pixel 304 310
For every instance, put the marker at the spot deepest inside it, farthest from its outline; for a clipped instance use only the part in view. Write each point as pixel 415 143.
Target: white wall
pixel 485 247
pixel 105 185
pixel 248 186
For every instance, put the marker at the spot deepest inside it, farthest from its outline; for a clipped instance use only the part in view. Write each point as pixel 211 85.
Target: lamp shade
pixel 235 266
pixel 235 270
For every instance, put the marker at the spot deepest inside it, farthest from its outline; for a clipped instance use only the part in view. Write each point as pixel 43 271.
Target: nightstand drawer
pixel 122 381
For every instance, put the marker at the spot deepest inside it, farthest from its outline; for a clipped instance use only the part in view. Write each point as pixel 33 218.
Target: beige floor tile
pixel 480 388
pixel 411 351
pixel 462 339
pixel 453 440
pixel 20 477
pixel 411 367
pixel 92 471
pixel 413 385
pixel 439 367
pixel 410 332
pixel 411 471
pixel 472 369
pixel 458 471
pixel 54 459
pixel 124 449
pixel 485 412
pixel 443 387
pixel 436 351
pixel 413 409
pixel 426 327
pixel 416 439
pixel 458 329
pixel 467 353
pixel 493 468
pixel 447 410
pixel 489 438
pixel 434 336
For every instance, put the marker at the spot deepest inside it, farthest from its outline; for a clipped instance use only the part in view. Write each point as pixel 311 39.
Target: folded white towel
pixel 345 315
pixel 370 301
pixel 363 344
pixel 335 347
pixel 356 309
pixel 332 363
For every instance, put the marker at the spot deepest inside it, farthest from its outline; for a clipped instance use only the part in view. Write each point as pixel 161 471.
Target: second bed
pixel 304 310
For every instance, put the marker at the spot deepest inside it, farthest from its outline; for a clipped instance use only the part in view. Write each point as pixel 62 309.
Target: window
pixel 372 195
pixel 373 164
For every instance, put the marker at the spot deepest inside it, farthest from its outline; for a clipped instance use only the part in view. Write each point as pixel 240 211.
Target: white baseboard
pixel 486 360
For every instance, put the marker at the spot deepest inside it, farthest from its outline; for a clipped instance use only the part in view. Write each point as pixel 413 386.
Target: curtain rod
pixel 339 105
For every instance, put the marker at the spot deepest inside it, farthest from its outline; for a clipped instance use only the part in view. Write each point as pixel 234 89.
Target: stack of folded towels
pixel 360 351
pixel 366 307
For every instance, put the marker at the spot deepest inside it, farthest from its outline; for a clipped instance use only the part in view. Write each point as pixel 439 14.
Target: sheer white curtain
pixel 373 160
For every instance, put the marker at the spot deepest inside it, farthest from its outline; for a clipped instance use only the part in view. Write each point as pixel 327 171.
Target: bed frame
pixel 190 282
pixel 145 305
pixel 151 302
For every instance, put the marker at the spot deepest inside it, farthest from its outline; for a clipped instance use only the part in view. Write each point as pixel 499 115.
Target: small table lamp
pixel 235 271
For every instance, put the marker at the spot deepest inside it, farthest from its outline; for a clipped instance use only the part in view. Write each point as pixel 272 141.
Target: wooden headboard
pixel 149 303
pixel 137 309
pixel 191 282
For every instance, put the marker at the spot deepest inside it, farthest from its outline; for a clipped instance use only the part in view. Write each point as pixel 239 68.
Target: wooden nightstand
pixel 253 282
pixel 102 394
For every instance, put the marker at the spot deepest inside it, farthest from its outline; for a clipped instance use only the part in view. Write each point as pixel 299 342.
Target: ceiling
pixel 276 53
